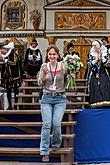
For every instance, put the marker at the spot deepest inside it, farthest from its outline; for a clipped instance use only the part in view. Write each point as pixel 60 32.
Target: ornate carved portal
pixel 80 21
pixel 82 46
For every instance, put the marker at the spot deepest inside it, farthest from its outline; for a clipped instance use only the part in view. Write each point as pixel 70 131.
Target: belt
pixel 54 94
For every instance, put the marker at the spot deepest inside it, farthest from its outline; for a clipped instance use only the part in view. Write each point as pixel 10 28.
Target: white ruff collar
pixel 103 51
pixel 33 48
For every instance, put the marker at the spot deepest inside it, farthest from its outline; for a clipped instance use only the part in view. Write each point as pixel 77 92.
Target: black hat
pixel 34 41
pixel 105 38
pixel 1 45
pixel 6 42
pixel 10 45
pixel 69 45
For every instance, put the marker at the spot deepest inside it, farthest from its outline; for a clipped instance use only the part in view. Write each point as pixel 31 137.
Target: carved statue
pixel 35 17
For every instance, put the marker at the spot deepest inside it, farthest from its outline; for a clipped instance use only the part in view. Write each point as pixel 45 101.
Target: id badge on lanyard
pixel 53 86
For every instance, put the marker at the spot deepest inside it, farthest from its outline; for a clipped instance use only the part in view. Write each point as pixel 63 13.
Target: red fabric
pixel 57 72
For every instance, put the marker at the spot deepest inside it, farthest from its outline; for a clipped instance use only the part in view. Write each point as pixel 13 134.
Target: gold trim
pixel 81 3
pixel 16 78
pixel 98 104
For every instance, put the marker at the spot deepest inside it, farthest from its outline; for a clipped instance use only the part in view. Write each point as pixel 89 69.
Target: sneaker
pixel 45 158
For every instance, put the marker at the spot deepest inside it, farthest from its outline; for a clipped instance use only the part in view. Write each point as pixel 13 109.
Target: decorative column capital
pixel 52 40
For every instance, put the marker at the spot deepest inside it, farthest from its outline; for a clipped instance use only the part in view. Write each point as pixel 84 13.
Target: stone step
pixel 68 94
pixel 31 163
pixel 40 88
pixel 38 104
pixel 30 88
pixel 23 124
pixel 68 111
pixel 35 80
pixel 33 151
pixel 31 136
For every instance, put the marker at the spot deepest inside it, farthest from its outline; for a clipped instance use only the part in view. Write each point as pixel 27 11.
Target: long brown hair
pixel 56 50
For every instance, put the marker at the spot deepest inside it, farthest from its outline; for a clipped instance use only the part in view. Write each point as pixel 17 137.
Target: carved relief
pixel 52 40
pixel 16 41
pixel 35 17
pixel 13 15
pixel 81 3
pixel 80 21
pixel 82 46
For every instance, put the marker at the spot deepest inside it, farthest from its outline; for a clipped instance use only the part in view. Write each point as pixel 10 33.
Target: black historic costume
pixel 11 72
pixel 33 60
pixel 98 78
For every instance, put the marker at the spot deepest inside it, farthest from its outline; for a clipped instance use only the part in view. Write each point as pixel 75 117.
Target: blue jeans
pixel 52 111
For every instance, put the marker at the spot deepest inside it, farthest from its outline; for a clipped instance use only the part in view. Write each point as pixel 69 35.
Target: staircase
pixel 27 119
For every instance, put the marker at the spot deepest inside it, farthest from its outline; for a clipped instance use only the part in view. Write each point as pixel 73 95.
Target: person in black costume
pixel 11 72
pixel 33 60
pixel 106 43
pixel 99 86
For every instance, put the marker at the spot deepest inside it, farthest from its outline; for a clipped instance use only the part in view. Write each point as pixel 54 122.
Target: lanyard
pixel 53 76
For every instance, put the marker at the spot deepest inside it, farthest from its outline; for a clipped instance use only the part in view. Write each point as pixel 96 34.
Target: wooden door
pixel 21 50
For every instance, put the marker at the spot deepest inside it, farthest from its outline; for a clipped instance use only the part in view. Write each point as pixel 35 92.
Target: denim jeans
pixel 52 111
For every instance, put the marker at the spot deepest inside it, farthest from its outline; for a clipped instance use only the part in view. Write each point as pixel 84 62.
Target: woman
pixel 98 76
pixel 53 102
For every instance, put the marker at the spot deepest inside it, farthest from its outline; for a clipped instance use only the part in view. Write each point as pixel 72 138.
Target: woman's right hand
pixel 45 70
